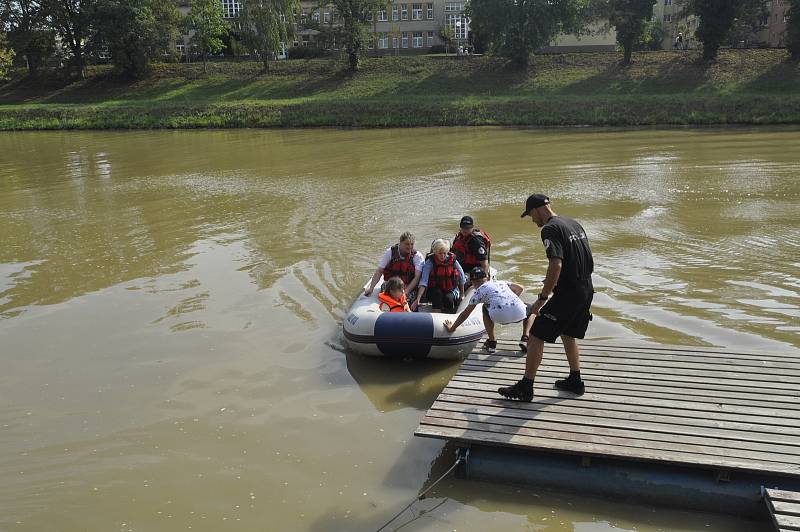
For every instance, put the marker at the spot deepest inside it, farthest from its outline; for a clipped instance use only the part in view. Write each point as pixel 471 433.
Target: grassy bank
pixel 743 87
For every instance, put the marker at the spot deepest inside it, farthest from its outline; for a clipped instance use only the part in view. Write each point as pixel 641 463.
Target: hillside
pixel 660 88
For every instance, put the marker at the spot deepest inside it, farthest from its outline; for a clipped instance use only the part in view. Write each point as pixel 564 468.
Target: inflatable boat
pixel 369 331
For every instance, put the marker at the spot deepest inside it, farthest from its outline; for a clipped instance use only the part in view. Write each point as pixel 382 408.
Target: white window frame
pixel 430 11
pixel 395 13
pixel 231 8
pixel 416 11
pixel 430 39
pixel 404 40
pixel 403 11
pixel 382 15
pixel 417 39
pixel 383 41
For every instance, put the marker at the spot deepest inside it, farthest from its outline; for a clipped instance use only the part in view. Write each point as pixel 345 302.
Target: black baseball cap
pixel 477 273
pixel 467 221
pixel 534 201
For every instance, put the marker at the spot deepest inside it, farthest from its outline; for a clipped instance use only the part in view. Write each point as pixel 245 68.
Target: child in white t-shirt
pixel 501 304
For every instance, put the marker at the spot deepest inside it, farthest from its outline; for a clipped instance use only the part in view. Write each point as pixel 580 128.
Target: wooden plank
pixel 684 408
pixel 708 376
pixel 596 448
pixel 647 389
pixel 787 406
pixel 786 508
pixel 708 351
pixel 588 373
pixel 783 495
pixel 748 431
pixel 787 522
pixel 630 436
pixel 598 418
pixel 671 361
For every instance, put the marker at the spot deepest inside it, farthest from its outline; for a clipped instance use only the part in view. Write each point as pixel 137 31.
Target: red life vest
pixel 463 247
pixel 444 275
pixel 400 267
pixel 390 304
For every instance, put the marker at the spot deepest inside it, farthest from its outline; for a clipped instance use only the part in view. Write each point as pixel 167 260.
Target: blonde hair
pixel 440 244
pixel 408 236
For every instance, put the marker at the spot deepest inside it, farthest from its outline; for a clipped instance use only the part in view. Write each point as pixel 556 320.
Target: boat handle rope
pixel 460 457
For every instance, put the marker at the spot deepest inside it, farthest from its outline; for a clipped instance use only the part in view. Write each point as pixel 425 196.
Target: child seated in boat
pixel 393 297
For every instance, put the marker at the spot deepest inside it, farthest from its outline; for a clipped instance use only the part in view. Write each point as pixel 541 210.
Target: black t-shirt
pixel 565 238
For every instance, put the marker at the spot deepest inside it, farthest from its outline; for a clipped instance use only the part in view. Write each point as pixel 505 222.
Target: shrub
pixel 305 52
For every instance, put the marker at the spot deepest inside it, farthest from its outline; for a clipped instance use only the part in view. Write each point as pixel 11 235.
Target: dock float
pixel 687 427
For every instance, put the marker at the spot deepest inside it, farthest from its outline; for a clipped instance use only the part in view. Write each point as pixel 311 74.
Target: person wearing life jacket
pixel 400 260
pixel 442 281
pixel 393 297
pixel 472 246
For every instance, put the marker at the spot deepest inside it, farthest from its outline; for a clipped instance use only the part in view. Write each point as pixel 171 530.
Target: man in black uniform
pixel 569 278
pixel 472 247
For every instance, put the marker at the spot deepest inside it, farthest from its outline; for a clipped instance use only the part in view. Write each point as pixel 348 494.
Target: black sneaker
pixel 571 384
pixel 520 391
pixel 523 343
pixel 490 346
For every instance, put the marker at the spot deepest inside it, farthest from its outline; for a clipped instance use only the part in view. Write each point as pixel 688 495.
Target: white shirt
pixel 503 304
pixel 387 257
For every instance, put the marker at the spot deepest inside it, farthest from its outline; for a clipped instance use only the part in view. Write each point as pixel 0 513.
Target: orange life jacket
pixel 390 304
pixel 400 267
pixel 444 274
pixel 464 247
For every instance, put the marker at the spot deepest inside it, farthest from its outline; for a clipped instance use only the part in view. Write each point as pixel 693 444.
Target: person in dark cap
pixel 567 313
pixel 472 246
pixel 501 304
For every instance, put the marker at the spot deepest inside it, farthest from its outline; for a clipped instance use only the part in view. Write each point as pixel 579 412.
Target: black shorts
pixel 567 313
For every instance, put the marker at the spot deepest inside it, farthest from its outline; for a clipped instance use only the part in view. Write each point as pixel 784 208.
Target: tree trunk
pixel 627 49
pixel 352 56
pixel 710 50
pixel 265 60
pixel 205 59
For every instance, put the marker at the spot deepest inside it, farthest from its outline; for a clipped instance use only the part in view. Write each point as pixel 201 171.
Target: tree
pixel 793 29
pixel 751 18
pixel 355 18
pixel 653 35
pixel 717 19
pixel 447 34
pixel 207 26
pixel 28 33
pixel 6 56
pixel 629 18
pixel 136 32
pixel 515 28
pixel 72 20
pixel 265 24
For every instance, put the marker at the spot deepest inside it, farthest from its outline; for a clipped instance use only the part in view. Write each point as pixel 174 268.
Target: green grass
pixel 742 87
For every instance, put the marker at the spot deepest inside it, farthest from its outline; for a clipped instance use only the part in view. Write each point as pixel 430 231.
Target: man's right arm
pixel 375 278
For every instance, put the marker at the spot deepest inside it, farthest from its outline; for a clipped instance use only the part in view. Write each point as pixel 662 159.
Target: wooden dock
pixel 730 412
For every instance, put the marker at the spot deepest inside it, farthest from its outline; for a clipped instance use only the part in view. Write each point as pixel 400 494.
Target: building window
pixel 315 16
pixel 382 15
pixel 404 11
pixel 430 12
pixel 230 8
pixel 454 6
pixel 383 41
pixel 417 39
pixel 371 41
pixel 430 39
pixel 416 11
pixel 394 42
pixel 395 16
pixel 667 18
pixel 326 17
pixel 459 25
pixel 405 39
